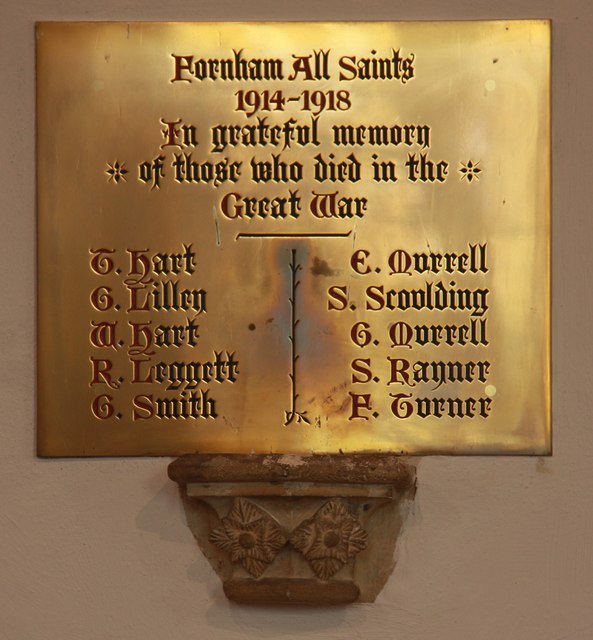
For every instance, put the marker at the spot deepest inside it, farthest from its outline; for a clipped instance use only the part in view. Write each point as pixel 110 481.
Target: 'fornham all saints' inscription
pixel 293 238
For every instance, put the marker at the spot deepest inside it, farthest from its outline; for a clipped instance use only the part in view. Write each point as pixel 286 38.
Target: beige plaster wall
pixel 495 549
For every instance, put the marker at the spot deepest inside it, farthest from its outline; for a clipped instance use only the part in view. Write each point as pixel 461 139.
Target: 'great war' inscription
pixel 294 238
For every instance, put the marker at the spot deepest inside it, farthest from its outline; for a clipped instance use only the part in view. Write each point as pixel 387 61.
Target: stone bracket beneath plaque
pixel 289 529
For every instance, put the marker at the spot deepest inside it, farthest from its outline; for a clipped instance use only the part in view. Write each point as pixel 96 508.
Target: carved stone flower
pixel 250 536
pixel 329 539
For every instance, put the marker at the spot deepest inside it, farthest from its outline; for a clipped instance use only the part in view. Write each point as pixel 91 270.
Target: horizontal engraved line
pixel 292 235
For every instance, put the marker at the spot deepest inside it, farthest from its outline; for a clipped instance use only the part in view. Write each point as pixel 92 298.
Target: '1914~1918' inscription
pixel 295 244
pixel 151 282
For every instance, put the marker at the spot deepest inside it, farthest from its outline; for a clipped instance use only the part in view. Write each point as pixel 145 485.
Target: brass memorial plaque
pixel 294 237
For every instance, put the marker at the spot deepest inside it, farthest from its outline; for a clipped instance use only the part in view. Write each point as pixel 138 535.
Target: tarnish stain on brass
pixel 216 227
pixel 254 250
pixel 322 268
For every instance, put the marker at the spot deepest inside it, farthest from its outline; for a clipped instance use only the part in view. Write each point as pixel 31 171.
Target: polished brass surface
pixel 293 238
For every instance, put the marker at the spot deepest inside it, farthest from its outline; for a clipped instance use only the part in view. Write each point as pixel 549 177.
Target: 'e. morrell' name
pixel 391 65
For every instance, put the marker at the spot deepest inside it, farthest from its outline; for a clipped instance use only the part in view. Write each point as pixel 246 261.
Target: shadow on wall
pixel 280 621
pixel 163 515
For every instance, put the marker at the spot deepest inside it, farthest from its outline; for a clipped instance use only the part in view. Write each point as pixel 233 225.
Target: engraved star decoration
pixel 470 170
pixel 116 172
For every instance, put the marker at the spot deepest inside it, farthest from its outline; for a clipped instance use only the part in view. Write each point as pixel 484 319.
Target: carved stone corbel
pixel 315 530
